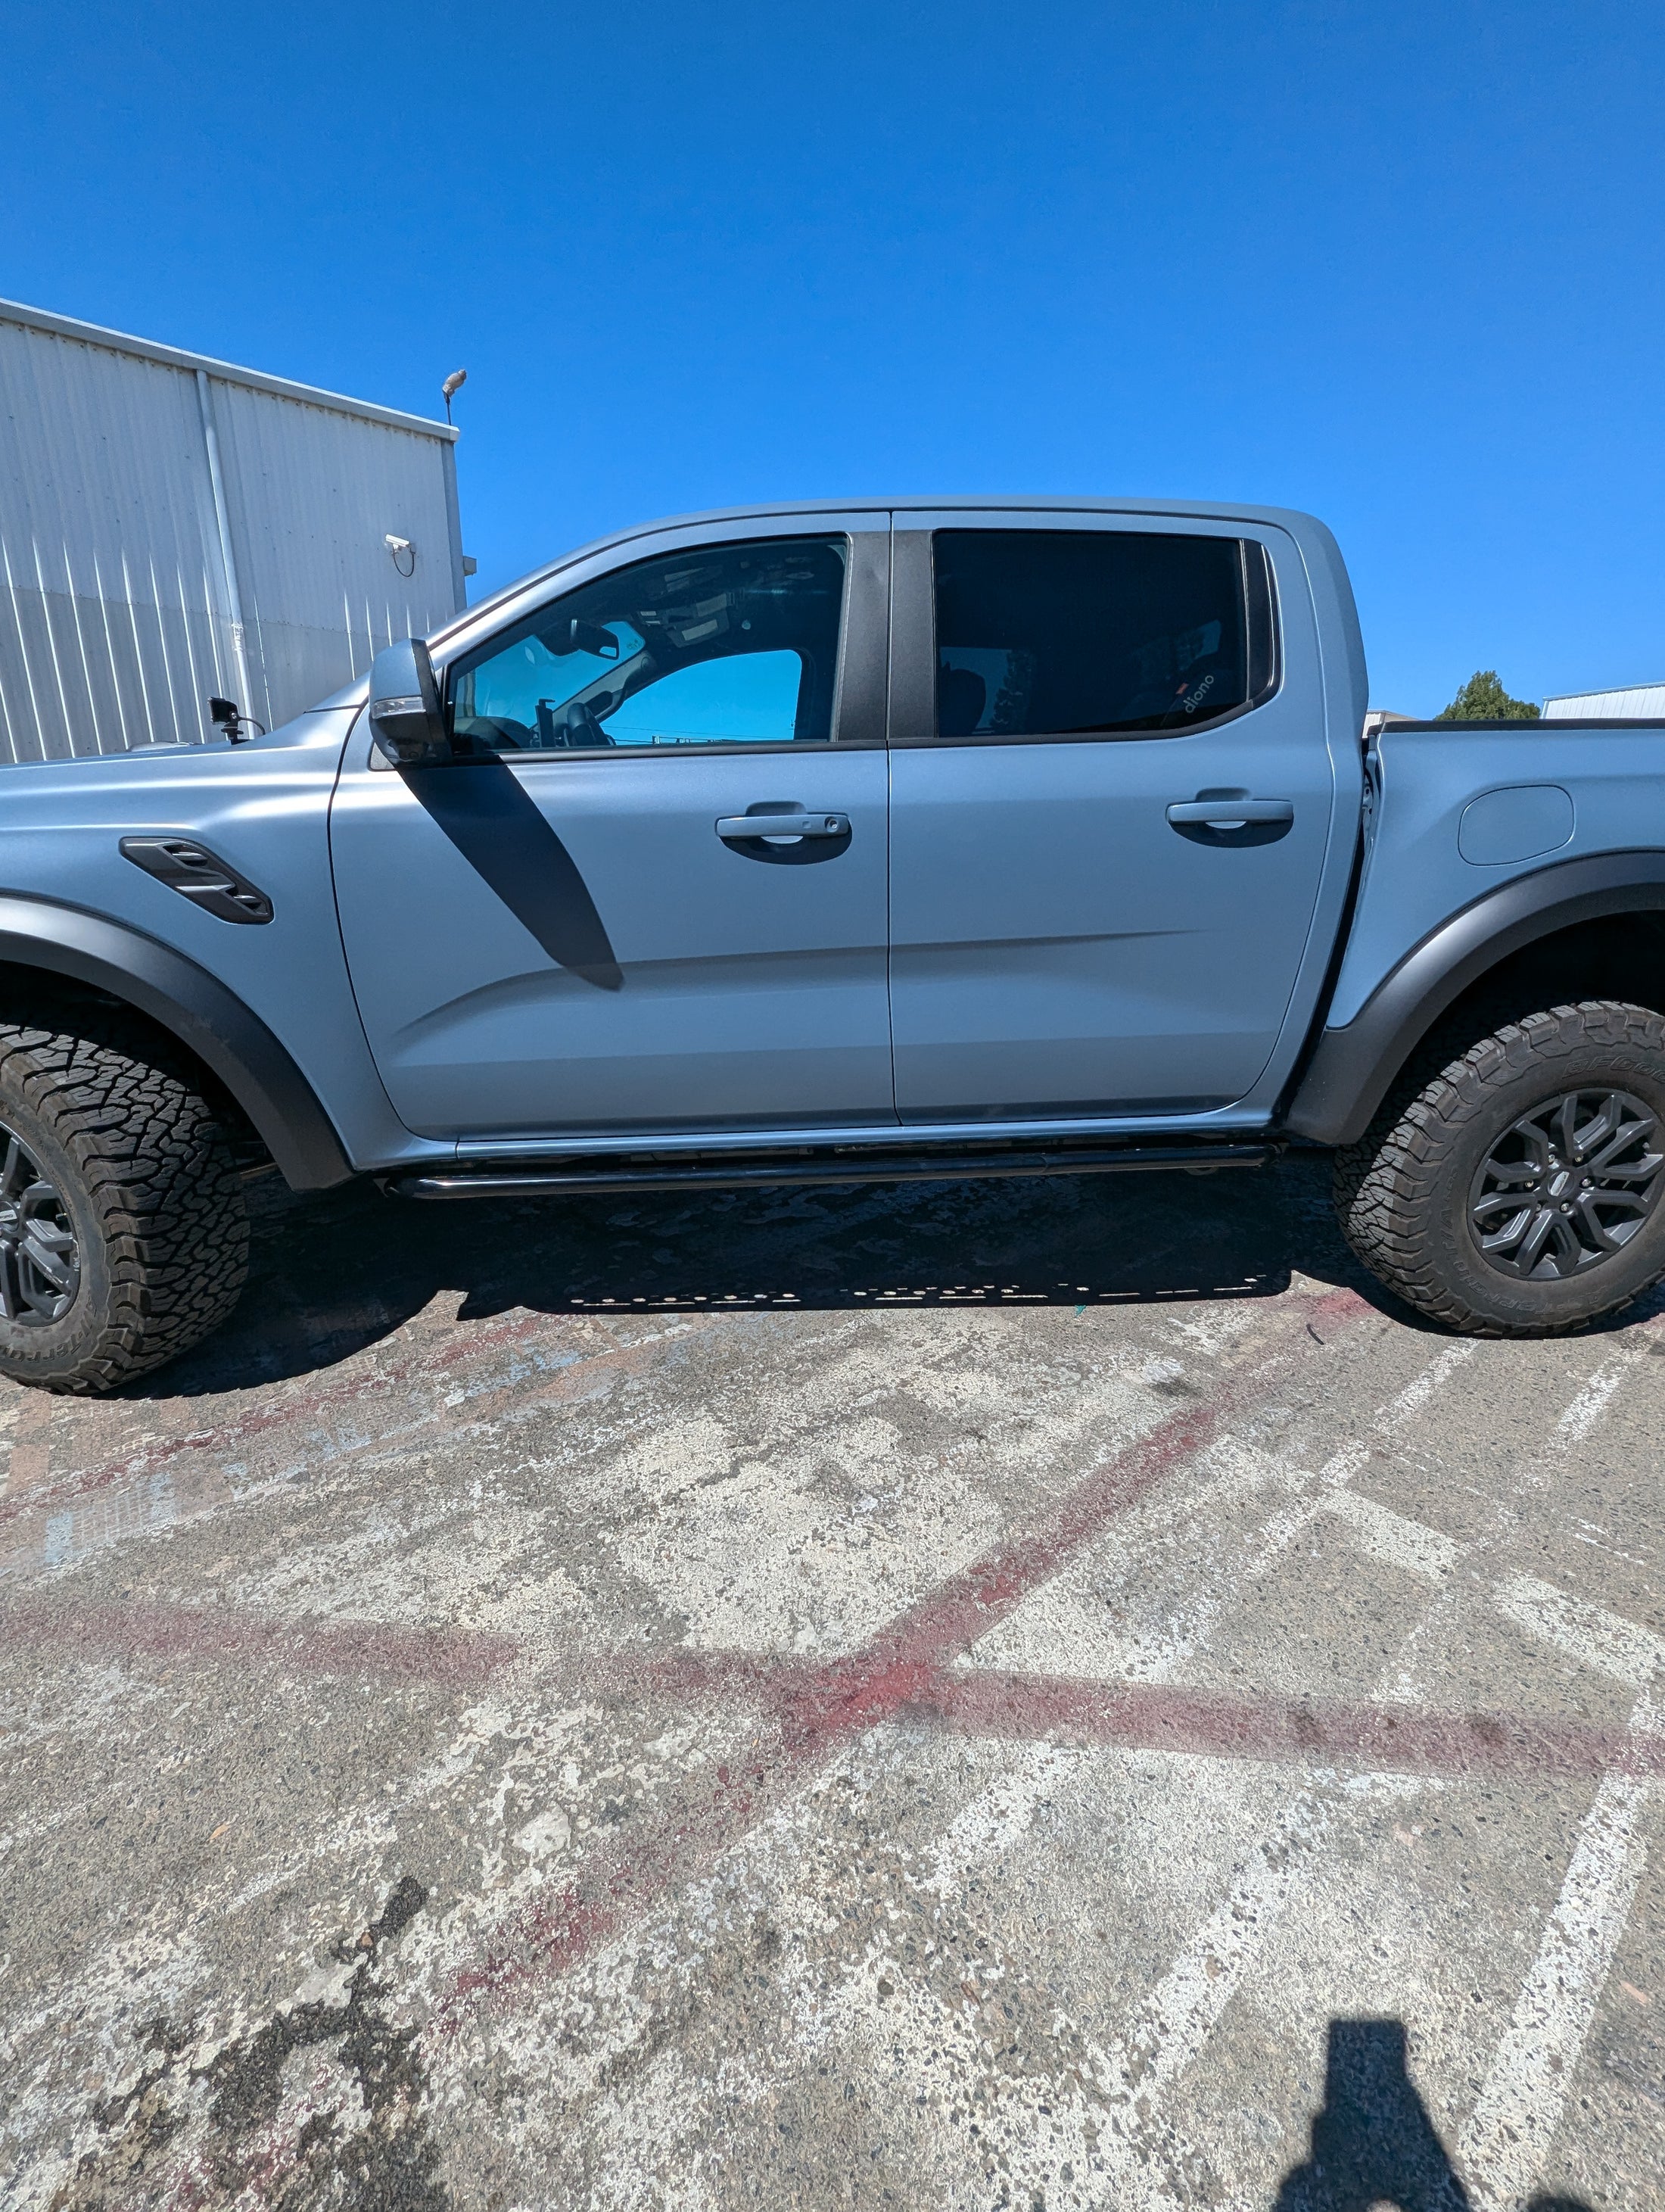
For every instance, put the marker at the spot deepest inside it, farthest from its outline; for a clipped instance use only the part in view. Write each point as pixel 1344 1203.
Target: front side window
pixel 719 645
pixel 1076 633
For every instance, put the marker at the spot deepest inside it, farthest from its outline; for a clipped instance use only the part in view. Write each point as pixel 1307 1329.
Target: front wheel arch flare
pixel 40 939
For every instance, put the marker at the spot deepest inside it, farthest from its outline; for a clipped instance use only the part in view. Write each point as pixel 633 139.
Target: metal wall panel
pixel 313 497
pixel 1638 701
pixel 119 585
pixel 111 602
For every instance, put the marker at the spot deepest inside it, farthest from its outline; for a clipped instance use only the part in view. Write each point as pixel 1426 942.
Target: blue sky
pixel 1400 265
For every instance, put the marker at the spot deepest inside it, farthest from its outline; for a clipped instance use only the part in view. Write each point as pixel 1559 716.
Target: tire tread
pixel 161 1179
pixel 1386 1185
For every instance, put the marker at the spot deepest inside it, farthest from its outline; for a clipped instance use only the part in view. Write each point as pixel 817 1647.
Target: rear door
pixel 572 928
pixel 1111 800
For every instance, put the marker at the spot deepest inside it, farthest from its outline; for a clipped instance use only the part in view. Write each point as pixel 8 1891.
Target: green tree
pixel 1483 699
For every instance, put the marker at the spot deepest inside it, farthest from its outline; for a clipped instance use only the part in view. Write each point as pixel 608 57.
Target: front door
pixel 1111 798
pixel 573 928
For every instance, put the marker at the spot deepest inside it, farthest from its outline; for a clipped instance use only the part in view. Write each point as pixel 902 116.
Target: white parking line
pixel 1330 1486
pixel 1591 1402
pixel 1417 1393
pixel 1391 1537
pixel 1506 2140
pixel 1588 1633
pixel 1180 2014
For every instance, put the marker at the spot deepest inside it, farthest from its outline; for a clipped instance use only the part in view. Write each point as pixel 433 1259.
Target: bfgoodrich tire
pixel 122 1235
pixel 1522 1191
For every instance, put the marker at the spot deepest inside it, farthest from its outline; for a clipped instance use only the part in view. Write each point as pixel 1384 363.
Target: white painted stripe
pixel 1588 1633
pixel 1000 1816
pixel 1591 1402
pixel 1169 2030
pixel 1507 2139
pixel 1338 1472
pixel 1181 2011
pixel 1417 1393
pixel 1393 1539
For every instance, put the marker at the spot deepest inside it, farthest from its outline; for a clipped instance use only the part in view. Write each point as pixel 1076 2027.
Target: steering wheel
pixel 576 725
pixel 496 732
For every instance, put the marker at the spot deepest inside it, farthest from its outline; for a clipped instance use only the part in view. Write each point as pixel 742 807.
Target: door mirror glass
pixel 405 721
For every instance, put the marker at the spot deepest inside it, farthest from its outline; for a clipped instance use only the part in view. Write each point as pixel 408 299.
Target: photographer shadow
pixel 1374 2145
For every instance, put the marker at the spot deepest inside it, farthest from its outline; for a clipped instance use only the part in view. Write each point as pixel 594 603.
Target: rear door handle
pixel 743 828
pixel 1231 813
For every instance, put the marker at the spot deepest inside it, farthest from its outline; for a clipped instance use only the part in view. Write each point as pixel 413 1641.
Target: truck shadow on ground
pixel 334 1271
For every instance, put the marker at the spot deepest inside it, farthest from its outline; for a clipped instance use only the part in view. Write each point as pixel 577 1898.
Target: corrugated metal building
pixel 173 527
pixel 1640 701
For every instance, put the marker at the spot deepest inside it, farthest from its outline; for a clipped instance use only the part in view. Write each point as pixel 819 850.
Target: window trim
pixel 858 678
pixel 915 688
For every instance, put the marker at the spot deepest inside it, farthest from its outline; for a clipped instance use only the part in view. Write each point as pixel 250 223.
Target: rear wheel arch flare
pixel 1584 913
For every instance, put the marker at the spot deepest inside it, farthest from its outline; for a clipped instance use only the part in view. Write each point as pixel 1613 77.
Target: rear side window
pixel 1065 633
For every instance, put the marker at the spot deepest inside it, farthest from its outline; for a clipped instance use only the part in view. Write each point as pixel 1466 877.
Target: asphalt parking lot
pixel 1027 1694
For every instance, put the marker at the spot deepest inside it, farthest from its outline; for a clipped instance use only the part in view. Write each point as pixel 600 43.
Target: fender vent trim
pixel 200 876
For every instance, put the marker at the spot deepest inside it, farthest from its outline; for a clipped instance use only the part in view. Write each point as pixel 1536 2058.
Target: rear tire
pixel 123 1239
pixel 1520 1192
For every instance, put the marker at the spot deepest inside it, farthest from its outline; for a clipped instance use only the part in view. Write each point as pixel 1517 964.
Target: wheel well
pixel 1584 929
pixel 40 998
pixel 1618 956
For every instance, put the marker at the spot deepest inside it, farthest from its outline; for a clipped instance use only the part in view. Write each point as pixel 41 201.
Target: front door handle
pixel 744 829
pixel 1231 813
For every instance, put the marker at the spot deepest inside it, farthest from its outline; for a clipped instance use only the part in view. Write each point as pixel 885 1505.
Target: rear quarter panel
pixel 1415 875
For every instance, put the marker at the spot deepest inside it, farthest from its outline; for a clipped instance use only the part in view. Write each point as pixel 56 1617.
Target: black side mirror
pixel 405 720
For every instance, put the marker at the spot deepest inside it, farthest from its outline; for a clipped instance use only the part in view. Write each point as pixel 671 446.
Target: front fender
pixel 207 1017
pixel 1351 1067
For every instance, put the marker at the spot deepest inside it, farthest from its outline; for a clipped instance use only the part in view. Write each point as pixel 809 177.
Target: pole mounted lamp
pixel 453 385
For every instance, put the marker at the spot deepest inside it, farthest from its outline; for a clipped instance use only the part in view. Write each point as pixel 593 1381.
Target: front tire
pixel 123 1239
pixel 1522 1191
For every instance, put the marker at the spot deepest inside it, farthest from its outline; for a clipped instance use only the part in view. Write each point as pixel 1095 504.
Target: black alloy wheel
pixel 1516 1187
pixel 39 1253
pixel 1567 1186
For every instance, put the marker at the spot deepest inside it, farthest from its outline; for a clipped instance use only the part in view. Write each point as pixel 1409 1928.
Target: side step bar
pixel 854 1166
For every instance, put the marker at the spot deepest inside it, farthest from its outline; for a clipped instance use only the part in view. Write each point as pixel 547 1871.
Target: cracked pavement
pixel 1024 1694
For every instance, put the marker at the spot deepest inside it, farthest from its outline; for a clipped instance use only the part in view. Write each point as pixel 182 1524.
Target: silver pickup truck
pixel 827 844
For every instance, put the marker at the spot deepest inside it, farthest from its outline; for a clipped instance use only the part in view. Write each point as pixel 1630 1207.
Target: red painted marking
pixel 807 1695
pixel 453 1658
pixel 816 1708
pixel 1202 1722
pixel 1205 1723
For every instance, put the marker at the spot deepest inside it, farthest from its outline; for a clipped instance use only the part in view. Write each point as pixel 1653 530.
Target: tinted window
pixel 1044 632
pixel 722 645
